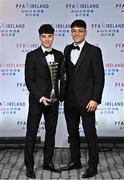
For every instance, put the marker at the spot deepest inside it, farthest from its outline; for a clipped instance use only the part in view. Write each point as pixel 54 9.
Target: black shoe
pixel 90 172
pixel 71 165
pixel 51 167
pixel 30 173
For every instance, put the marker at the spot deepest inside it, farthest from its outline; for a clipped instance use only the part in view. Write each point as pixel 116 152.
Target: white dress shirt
pixel 49 57
pixel 76 53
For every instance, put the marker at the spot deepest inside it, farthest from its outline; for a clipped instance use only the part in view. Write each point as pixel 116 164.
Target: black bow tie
pixel 76 47
pixel 48 52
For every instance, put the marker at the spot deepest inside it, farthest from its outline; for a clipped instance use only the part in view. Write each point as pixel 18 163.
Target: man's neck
pixel 78 44
pixel 46 49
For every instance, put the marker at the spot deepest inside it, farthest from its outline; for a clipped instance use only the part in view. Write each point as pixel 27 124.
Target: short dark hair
pixel 46 28
pixel 79 23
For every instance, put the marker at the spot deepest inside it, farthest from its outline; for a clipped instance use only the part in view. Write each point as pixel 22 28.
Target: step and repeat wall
pixel 19 23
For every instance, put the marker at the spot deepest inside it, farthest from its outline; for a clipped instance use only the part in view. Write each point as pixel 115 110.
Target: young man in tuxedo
pixel 39 84
pixel 84 87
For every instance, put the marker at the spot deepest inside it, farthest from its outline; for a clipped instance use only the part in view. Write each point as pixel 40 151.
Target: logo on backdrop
pixel 112 69
pixel 110 107
pixel 10 69
pixel 119 85
pixel 82 10
pixel 120 6
pixel 119 124
pixel 10 30
pixel 61 29
pixel 32 9
pixel 22 125
pixel 22 87
pixel 11 108
pixel 26 47
pixel 107 29
pixel 120 47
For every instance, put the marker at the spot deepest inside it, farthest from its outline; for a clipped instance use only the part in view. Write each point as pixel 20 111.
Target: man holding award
pixel 42 71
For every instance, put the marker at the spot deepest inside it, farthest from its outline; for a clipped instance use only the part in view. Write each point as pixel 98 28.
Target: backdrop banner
pixel 19 24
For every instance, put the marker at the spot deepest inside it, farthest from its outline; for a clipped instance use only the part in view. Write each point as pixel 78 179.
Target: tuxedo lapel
pixel 55 56
pixel 42 62
pixel 82 54
pixel 41 56
pixel 68 53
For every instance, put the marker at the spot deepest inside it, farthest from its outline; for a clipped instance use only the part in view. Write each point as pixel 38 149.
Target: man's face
pixel 78 34
pixel 46 40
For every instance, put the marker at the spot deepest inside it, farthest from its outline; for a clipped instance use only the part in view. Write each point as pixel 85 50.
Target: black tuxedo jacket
pixel 37 73
pixel 89 74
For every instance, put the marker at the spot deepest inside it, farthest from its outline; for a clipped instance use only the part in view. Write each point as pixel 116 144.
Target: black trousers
pixel 34 116
pixel 72 116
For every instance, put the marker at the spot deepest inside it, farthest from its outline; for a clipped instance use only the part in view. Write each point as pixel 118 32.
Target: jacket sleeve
pixel 30 77
pixel 98 75
pixel 62 81
pixel 63 77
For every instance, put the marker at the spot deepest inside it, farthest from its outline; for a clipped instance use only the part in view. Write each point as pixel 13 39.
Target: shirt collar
pixel 44 49
pixel 81 44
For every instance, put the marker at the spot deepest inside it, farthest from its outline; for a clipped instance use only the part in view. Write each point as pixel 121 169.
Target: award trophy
pixel 53 66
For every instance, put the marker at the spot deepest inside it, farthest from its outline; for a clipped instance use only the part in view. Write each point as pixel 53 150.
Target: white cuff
pixel 41 99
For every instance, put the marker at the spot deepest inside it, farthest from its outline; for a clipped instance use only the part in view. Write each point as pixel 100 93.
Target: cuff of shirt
pixel 41 99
